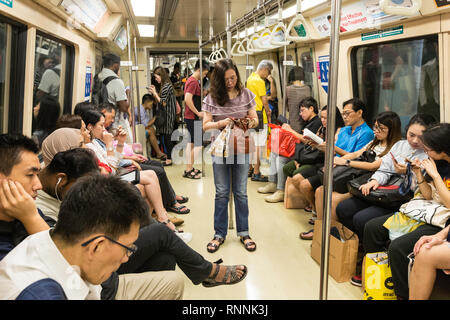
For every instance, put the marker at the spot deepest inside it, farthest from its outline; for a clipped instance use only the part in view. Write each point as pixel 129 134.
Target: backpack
pixel 99 91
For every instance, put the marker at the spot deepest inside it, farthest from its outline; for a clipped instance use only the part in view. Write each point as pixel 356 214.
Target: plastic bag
pixel 400 224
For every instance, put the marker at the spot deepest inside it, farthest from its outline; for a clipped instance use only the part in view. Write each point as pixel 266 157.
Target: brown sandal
pixel 215 246
pixel 248 244
pixel 230 277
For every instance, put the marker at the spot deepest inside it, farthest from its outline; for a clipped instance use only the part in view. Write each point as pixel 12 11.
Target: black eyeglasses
pixel 130 250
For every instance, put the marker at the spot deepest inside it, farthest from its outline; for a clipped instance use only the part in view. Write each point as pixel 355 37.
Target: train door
pixel 400 76
pixel 12 74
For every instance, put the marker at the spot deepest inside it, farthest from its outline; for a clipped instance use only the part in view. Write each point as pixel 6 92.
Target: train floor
pixel 280 269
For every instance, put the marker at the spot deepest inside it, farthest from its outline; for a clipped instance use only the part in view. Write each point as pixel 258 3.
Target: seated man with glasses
pixel 94 235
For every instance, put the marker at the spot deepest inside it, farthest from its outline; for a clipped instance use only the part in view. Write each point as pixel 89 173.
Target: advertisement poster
pixel 353 17
pixel 87 89
pixel 442 3
pixel 360 15
pixel 324 66
pixel 8 3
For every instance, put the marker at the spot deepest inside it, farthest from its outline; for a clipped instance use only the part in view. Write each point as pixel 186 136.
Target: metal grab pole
pixel 137 86
pixel 284 81
pixel 200 60
pixel 130 70
pixel 329 153
pixel 230 202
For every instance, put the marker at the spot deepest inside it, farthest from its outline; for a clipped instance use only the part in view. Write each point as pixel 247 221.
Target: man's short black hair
pixel 11 148
pixel 309 102
pixel 357 104
pixel 205 65
pixel 100 204
pixel 75 163
pixel 108 106
pixel 109 59
pixel 147 97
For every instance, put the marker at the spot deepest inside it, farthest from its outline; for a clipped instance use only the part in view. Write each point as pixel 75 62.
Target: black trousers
pixel 354 213
pixel 376 239
pixel 167 192
pixel 160 249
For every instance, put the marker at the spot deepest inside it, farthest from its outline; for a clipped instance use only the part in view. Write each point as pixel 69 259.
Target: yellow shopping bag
pixel 378 283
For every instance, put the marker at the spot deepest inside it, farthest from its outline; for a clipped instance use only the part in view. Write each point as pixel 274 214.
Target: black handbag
pixel 391 195
pixel 343 174
pixel 310 155
pixel 260 120
pixel 160 114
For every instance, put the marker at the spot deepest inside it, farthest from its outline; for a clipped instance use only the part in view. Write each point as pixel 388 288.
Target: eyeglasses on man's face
pixel 347 113
pixel 130 250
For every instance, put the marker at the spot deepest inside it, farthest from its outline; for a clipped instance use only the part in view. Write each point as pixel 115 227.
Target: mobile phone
pixel 393 158
pixel 131 176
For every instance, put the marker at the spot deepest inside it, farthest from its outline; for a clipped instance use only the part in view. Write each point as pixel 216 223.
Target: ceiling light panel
pixel 143 8
pixel 146 30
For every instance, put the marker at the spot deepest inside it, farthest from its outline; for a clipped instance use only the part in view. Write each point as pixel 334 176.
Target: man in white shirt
pixel 93 237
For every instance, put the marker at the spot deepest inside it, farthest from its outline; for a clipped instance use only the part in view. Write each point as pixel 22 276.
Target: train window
pixel 53 83
pixel 401 76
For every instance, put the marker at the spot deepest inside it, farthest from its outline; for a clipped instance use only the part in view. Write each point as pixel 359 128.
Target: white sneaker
pixel 185 236
pixel 278 196
pixel 271 187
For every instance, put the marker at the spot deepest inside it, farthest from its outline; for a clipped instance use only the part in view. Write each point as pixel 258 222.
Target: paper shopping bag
pixel 343 252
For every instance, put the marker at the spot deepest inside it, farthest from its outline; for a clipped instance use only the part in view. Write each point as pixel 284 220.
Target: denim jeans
pixel 276 173
pixel 235 168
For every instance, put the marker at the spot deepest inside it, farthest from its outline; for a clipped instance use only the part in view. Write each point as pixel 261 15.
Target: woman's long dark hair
pixel 392 121
pixel 164 76
pixel 218 89
pixel 435 137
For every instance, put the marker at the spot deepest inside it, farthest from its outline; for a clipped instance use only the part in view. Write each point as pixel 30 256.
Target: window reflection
pixel 46 90
pixel 399 76
pixel 3 34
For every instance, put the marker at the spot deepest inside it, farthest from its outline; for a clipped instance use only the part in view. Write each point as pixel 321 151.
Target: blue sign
pixel 324 66
pixel 87 90
pixel 7 3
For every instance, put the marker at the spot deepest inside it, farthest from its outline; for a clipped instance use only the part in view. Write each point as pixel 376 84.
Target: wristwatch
pixel 347 162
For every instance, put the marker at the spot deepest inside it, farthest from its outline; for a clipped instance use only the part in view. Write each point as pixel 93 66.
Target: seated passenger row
pixel 373 157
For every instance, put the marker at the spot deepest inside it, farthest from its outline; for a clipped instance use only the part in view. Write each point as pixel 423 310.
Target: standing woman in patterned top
pixel 229 103
pixel 166 98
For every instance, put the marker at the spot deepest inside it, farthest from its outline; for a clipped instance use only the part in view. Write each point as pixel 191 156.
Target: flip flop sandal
pixel 312 220
pixel 183 199
pixel 230 277
pixel 167 222
pixel 308 209
pixel 250 172
pixel 214 245
pixel 305 236
pixel 248 244
pixel 162 158
pixel 165 164
pixel 197 171
pixel 176 221
pixel 179 210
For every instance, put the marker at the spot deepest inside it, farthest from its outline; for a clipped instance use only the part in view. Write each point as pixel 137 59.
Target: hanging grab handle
pixel 295 22
pixel 280 26
pixel 235 48
pixel 222 52
pixel 399 10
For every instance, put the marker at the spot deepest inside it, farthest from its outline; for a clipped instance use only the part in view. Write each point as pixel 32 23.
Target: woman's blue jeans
pixel 233 169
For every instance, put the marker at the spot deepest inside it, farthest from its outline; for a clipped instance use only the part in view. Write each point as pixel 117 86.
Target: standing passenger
pixel 256 84
pixel 116 92
pixel 192 114
pixel 295 93
pixel 228 101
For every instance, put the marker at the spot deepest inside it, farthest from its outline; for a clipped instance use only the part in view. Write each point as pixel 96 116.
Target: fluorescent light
pixel 143 8
pixel 146 30
pixel 308 4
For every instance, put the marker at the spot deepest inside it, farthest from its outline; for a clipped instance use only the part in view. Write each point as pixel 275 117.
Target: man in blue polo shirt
pixel 356 134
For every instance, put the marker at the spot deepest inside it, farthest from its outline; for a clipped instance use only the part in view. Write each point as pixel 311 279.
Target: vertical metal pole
pixel 230 203
pixel 130 71
pixel 329 153
pixel 200 60
pixel 284 81
pixel 138 103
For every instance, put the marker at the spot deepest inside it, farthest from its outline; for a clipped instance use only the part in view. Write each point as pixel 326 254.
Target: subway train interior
pixel 391 54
